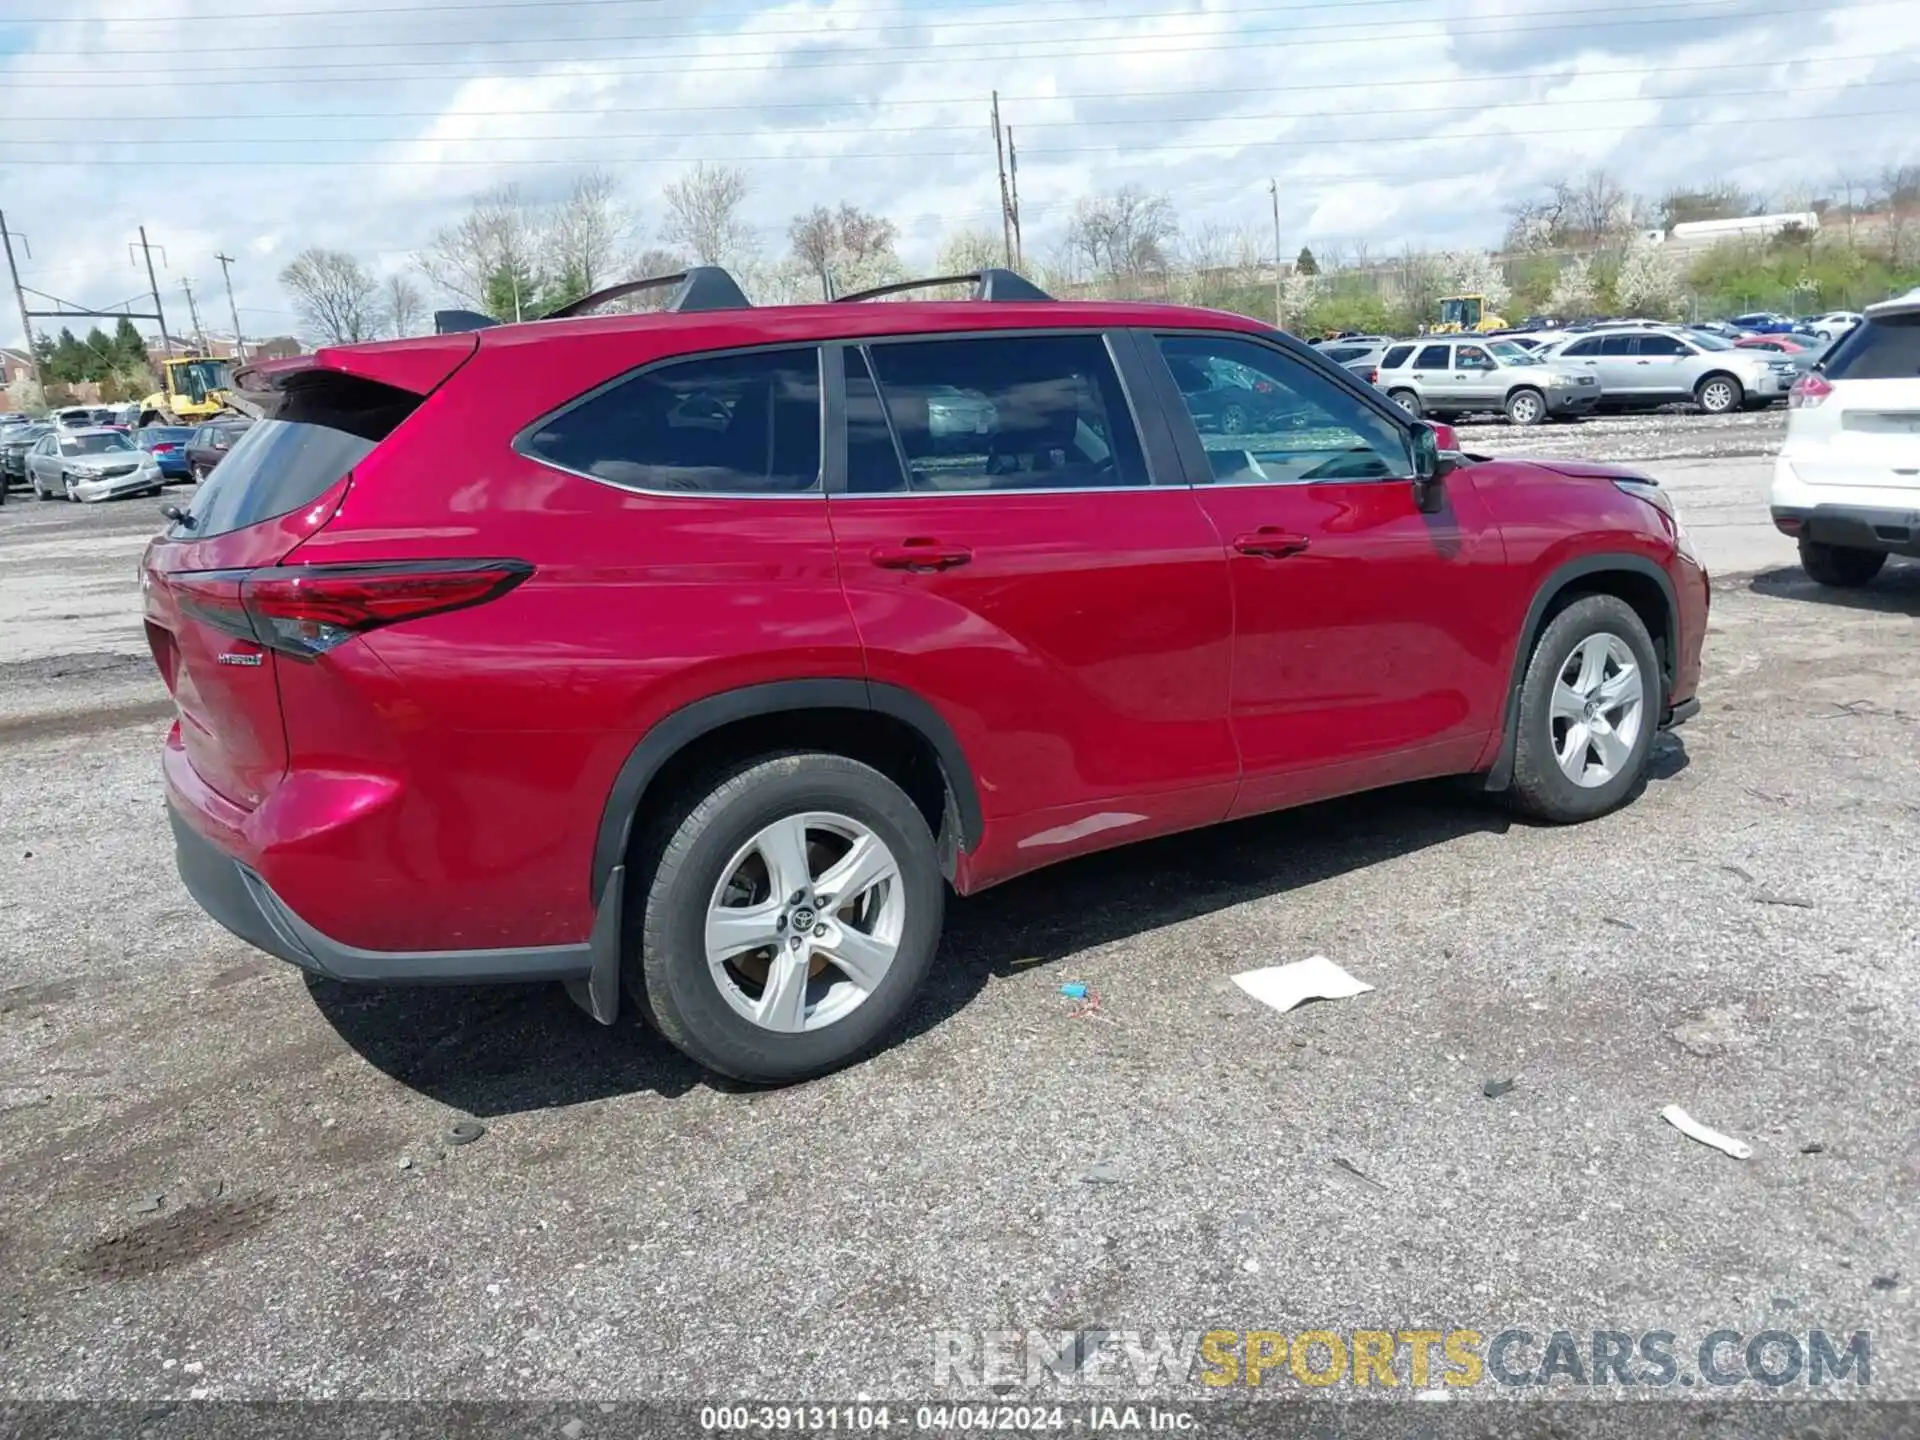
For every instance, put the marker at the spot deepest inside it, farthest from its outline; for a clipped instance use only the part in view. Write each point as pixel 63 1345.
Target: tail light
pixel 1263 387
pixel 1373 377
pixel 306 610
pixel 1808 391
pixel 165 447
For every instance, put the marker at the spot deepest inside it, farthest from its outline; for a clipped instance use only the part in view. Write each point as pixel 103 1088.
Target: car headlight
pixel 1651 492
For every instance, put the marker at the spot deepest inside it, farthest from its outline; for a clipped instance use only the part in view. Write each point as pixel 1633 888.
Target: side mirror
pixel 1433 448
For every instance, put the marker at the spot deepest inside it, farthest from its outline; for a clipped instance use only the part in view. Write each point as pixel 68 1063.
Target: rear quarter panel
pixel 507 723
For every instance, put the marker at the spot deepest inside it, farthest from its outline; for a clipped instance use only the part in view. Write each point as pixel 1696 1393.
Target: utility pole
pixel 153 288
pixel 1006 203
pixel 1279 317
pixel 1013 179
pixel 239 340
pixel 193 315
pixel 26 323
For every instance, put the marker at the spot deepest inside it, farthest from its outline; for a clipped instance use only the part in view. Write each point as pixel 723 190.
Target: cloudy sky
pixel 259 127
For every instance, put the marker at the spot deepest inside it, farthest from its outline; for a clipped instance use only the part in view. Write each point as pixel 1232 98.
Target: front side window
pixel 1011 412
pixel 746 424
pixel 1309 428
pixel 1662 346
pixel 1472 357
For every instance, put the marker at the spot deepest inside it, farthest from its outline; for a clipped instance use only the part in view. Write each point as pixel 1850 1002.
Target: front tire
pixel 1526 407
pixel 66 482
pixel 1839 566
pixel 1719 395
pixel 1590 704
pixel 793 912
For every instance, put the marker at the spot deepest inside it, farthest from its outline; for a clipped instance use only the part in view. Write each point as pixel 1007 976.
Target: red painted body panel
pixel 1110 665
pixel 1373 653
pixel 1081 656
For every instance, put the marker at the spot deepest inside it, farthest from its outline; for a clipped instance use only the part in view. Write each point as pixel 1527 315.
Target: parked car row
pixel 66 458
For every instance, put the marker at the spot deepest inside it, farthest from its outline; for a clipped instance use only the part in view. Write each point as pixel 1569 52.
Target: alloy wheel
pixel 805 922
pixel 1599 706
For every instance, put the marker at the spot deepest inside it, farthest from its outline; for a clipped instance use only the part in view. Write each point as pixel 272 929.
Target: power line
pixel 1452 81
pixel 840 31
pixel 1105 48
pixel 496 138
pixel 588 161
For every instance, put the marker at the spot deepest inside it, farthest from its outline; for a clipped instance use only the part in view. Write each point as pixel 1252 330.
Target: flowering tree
pixel 1573 291
pixel 1649 281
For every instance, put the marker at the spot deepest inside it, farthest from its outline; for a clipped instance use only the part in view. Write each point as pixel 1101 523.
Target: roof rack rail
pixel 702 287
pixel 458 322
pixel 990 284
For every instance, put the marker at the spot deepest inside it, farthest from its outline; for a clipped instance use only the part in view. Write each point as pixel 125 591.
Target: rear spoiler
pixel 417 367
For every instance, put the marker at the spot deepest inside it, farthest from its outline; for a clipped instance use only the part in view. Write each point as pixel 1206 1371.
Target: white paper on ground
pixel 1694 1130
pixel 1285 986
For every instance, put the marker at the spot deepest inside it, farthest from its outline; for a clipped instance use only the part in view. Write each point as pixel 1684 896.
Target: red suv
pixel 694 654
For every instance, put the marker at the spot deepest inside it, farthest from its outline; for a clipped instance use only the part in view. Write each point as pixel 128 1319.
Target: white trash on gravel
pixel 1285 986
pixel 1694 1130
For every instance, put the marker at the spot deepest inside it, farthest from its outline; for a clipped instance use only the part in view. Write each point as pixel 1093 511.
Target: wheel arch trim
pixel 1558 581
pixel 680 728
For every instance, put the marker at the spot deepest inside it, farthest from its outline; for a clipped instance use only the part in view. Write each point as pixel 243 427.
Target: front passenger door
pixel 1659 359
pixel 1367 634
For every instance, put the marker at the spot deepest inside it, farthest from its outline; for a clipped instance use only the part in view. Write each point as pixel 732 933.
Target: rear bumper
pixel 241 901
pixel 1853 527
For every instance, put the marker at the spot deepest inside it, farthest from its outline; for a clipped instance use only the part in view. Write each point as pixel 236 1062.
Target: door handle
pixel 1271 542
pixel 1643 362
pixel 919 555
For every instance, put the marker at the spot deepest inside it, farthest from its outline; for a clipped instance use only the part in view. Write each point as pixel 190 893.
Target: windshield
pixel 1707 340
pixel 93 444
pixel 1512 354
pixel 200 378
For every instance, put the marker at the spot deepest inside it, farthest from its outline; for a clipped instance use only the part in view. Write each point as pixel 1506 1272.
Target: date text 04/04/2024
pixel 870 1418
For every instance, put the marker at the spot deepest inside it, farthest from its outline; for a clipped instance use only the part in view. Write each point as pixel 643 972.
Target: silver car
pixel 953 413
pixel 1639 369
pixel 1451 377
pixel 90 465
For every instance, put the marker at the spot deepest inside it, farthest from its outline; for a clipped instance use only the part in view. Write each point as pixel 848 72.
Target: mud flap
pixel 598 993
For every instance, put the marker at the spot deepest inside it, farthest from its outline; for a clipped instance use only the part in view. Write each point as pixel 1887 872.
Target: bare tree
pixel 491 258
pixel 337 300
pixel 965 251
pixel 584 238
pixel 1900 187
pixel 703 215
pixel 1128 232
pixel 400 299
pixel 852 246
pixel 1718 201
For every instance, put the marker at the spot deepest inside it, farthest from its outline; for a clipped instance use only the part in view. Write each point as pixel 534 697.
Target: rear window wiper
pixel 184 519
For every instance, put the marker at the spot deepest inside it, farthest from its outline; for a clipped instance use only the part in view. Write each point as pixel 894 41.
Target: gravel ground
pixel 218 1179
pixel 1675 433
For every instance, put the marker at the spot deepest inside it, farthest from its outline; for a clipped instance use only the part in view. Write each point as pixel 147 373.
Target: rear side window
pixel 1886 348
pixel 1433 357
pixel 1014 412
pixel 1618 345
pixel 320 426
pixel 1396 357
pixel 746 424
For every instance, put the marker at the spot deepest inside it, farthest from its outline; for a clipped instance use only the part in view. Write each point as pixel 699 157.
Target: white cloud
pixel 1412 123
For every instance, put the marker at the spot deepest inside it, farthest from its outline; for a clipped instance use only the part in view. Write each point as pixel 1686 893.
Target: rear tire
pixel 1526 407
pixel 715 856
pixel 1590 704
pixel 1839 566
pixel 1407 401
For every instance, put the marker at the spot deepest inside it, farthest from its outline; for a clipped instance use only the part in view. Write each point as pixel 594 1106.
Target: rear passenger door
pixel 1433 372
pixel 1068 616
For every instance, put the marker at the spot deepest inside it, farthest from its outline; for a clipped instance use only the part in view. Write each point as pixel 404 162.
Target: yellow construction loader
pixel 192 390
pixel 1462 313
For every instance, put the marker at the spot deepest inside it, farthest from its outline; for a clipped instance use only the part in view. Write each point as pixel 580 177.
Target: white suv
pixel 1847 483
